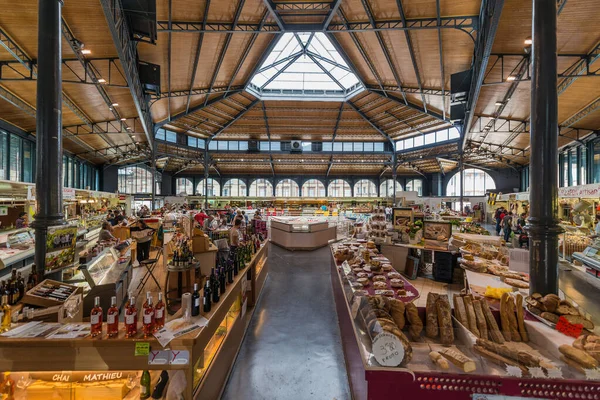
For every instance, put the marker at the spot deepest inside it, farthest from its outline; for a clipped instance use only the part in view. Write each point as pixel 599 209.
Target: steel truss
pixel 468 24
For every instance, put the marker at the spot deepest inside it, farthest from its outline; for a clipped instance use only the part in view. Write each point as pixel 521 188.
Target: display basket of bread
pixel 549 308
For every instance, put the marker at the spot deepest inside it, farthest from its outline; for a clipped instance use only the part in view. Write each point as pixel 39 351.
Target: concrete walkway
pixel 292 350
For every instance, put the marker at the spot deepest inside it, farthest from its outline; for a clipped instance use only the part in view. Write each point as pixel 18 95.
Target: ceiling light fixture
pixel 115 104
pixel 86 51
pixel 499 103
pixel 101 80
pixel 528 41
pixel 123 119
pixel 511 78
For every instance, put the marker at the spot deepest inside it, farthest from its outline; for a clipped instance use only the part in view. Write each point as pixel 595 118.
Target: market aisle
pixel 293 349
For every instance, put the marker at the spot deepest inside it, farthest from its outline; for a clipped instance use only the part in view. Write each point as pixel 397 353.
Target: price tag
pixel 537 372
pixel 511 370
pixel 388 350
pixel 142 349
pixel 567 328
pixel 592 374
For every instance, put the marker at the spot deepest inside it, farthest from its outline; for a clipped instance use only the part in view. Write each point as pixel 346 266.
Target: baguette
pixel 522 357
pixel 481 322
pixel 416 325
pixel 439 360
pixel 581 357
pixel 512 319
pixel 444 316
pixel 493 328
pixel 471 316
pixel 459 311
pixel 573 364
pixel 431 318
pixel 521 319
pixel 459 359
pixel 498 359
pixel 504 320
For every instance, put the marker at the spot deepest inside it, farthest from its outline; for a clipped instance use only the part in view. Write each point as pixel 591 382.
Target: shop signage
pixel 60 247
pixel 3 210
pixel 173 357
pixel 78 376
pixel 583 191
pixel 142 349
pixel 388 350
pixel 68 193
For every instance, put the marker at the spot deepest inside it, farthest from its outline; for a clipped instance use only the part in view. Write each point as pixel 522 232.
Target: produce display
pixel 474 228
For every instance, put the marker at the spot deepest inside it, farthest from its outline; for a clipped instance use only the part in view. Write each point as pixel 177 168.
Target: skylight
pixel 305 65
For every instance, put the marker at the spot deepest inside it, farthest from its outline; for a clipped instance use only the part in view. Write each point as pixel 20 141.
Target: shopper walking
pixel 507 226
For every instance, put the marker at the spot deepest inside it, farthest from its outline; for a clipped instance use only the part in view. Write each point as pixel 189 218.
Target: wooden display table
pixel 212 349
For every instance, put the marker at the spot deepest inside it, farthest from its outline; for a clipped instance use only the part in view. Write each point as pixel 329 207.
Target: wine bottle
pixel 112 318
pixel 6 314
pixel 206 300
pixel 145 385
pixel 222 281
pixel 96 318
pixel 196 301
pixel 230 271
pixel 215 289
pixel 236 262
pixel 131 319
pixel 159 313
pixel 148 319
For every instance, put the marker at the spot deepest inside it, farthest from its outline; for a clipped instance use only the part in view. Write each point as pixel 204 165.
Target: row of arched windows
pixel 289 188
pixel 476 183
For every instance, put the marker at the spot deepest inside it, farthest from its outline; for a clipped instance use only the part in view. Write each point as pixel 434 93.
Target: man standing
pixel 507 225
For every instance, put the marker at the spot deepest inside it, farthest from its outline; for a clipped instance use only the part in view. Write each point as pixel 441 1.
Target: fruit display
pixel 473 228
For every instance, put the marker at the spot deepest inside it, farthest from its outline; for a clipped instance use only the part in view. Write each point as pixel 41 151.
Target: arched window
pixel 214 189
pixel 339 188
pixel 365 188
pixel 184 187
pixel 136 180
pixel 313 188
pixel 415 185
pixel 476 183
pixel 287 188
pixel 386 189
pixel 261 188
pixel 234 188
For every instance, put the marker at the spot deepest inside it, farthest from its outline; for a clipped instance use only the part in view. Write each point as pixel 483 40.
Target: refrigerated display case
pixel 17 248
pixel 109 274
pixel 301 233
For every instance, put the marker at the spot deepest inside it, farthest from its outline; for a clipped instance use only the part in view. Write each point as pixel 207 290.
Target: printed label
pixel 95 319
pixel 148 318
pixel 197 302
pixel 159 313
pixel 110 319
pixel 388 350
pixel 129 319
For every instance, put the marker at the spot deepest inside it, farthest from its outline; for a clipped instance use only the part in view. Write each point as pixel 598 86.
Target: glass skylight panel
pixel 306 62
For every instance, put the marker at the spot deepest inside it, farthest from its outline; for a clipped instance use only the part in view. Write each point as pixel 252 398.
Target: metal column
pixel 543 193
pixel 394 176
pixel 206 166
pixel 461 171
pixel 49 163
pixel 154 180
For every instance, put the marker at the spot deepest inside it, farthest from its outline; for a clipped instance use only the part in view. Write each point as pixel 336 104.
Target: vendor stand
pixel 301 233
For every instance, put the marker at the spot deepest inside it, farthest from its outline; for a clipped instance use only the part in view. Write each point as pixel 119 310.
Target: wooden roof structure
pixel 402 52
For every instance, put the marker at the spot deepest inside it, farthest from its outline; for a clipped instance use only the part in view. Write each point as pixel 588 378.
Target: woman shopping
pixel 142 234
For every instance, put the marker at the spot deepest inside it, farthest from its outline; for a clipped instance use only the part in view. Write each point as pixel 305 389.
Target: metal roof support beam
pixel 196 57
pixel 236 18
pixel 581 114
pixel 378 129
pixel 192 110
pixel 439 163
pixel 334 8
pixel 263 57
pixel 580 68
pixel 198 91
pixel 489 18
pixel 362 52
pixel 335 132
pixel 411 51
pixel 121 35
pixel 326 72
pixel 227 125
pixel 410 89
pixel 281 61
pixel 273 11
pixel 442 74
pixel 467 24
pixel 275 75
pixel 412 106
pixel 266 119
pixel 347 60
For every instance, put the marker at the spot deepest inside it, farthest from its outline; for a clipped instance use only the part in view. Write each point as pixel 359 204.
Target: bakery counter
pixel 390 347
pixel 197 362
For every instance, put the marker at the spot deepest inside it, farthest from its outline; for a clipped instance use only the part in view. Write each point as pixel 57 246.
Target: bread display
pixel 480 318
pixel 581 357
pixel 521 319
pixel 397 283
pixel 431 320
pixel 439 360
pixel 494 331
pixel 459 359
pixel 444 316
pixel 416 325
pixel 471 318
pixel 459 310
pixel 550 308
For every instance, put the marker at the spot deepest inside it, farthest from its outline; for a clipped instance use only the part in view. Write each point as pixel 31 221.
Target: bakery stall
pixel 459 346
pixel 46 360
pixel 302 233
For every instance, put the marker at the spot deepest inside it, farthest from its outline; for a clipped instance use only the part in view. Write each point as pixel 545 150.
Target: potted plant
pixel 414 231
